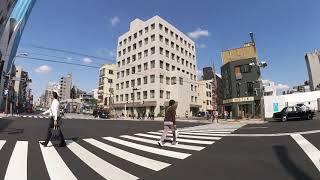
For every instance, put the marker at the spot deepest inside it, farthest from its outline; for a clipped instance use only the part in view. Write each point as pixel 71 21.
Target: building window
pixel 133 70
pixel 117 87
pixel 161 64
pixel 135 35
pixel 123 62
pixel 237 72
pixel 128 60
pixel 127 84
pixel 180 80
pixel 121 97
pixel 133 83
pixel 139 81
pixel 140 33
pixel 129 49
pixel 191 98
pixel 153 37
pixel 167 67
pixel 178 59
pixel 129 38
pixel 117 98
pixel 173 80
pixel 122 85
pixel 118 75
pixel 191 87
pixel 152 78
pixel 134 46
pixel 146 41
pixel 138 95
pixel 132 96
pixel 161 50
pixel 139 68
pixel 153 50
pixel 145 94
pixel 146 53
pixel 167 53
pixel 153 26
pixel 160 38
pixel 167 80
pixel 145 66
pixel 127 97
pixel 167 41
pixel 122 73
pixel 119 64
pixel 166 30
pixel 151 93
pixel 146 29
pixel 161 94
pixel 133 58
pixel 119 54
pixel 153 64
pixel 120 43
pixel 127 72
pixel 173 68
pixel 172 44
pixel 172 56
pixel 160 26
pixel 245 68
pixel 140 43
pixel 139 55
pixel 145 80
pixel 167 94
pixel 250 88
pixel 161 79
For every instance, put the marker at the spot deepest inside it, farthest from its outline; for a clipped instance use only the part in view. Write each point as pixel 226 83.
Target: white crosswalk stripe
pixel 2 142
pixel 189 136
pixel 158 151
pixel 209 130
pixel 105 169
pixel 139 160
pixel 146 144
pixel 17 168
pixel 180 146
pixel 179 140
pixel 53 160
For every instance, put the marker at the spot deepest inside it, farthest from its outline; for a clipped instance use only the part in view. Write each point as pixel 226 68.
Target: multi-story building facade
pixel 155 63
pixel 313 65
pixel 13 22
pixel 106 85
pixel 241 81
pixel 21 88
pixel 65 87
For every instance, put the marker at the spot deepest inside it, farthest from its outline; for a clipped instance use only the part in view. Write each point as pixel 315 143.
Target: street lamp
pixel 8 75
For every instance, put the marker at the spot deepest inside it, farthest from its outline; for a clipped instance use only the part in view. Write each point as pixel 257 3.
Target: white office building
pixel 105 89
pixel 155 63
pixel 65 87
pixel 313 65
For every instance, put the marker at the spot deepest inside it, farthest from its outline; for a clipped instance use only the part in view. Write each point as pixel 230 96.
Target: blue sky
pixel 284 31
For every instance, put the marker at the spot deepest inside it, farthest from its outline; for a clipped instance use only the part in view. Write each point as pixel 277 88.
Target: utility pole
pixel 133 90
pixel 214 94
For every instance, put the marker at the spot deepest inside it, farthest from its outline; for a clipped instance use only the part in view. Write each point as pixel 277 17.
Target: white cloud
pixel 203 46
pixel 44 69
pixel 87 60
pixel 198 33
pixel 106 52
pixel 114 20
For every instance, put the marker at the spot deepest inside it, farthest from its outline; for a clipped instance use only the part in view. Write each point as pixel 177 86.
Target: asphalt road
pixel 228 158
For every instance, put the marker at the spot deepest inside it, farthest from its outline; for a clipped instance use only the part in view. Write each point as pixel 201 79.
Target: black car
pixel 103 114
pixel 293 112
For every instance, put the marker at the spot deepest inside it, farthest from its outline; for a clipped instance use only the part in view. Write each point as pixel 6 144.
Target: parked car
pixel 103 114
pixel 293 112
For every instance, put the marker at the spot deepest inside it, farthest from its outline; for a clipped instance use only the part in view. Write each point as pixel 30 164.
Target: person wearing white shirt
pixel 53 111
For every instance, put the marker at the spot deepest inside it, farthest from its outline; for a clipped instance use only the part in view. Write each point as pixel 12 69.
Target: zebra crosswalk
pixel 112 158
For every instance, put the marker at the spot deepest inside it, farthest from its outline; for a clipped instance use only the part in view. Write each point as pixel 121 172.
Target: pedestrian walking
pixel 149 115
pixel 55 121
pixel 169 123
pixel 226 115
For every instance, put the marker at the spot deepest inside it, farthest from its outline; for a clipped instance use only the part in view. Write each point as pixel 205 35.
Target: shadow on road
pixel 4 123
pixel 288 164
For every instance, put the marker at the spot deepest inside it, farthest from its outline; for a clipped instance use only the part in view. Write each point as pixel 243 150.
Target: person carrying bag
pixel 169 123
pixel 54 131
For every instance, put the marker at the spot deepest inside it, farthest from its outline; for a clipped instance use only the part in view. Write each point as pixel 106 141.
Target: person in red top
pixel 169 123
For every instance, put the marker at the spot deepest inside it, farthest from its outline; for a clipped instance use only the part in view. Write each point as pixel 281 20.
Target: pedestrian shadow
pixel 4 123
pixel 288 164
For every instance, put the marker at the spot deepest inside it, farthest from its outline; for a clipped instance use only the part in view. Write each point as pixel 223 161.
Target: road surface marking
pixel 105 169
pixel 312 152
pixel 136 159
pixel 17 167
pixel 153 150
pixel 208 133
pixel 53 160
pixel 2 142
pixel 208 130
pixel 188 136
pixel 179 139
pixel 25 116
pixel 202 134
pixel 149 141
